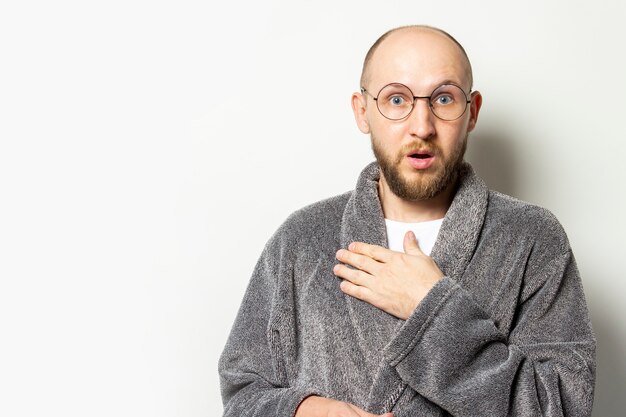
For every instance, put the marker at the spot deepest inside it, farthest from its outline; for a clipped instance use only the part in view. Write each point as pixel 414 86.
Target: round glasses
pixel 395 101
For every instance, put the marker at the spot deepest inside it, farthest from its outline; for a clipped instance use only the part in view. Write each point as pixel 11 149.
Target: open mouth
pixel 420 155
pixel 421 159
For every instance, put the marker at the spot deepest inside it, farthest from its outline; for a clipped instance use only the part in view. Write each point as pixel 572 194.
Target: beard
pixel 425 185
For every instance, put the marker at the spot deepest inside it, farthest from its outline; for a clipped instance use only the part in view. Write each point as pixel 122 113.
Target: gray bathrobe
pixel 505 332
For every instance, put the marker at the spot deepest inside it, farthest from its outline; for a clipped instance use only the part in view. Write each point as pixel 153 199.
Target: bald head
pixel 408 36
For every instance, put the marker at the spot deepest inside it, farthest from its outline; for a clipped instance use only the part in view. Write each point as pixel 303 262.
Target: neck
pixel 401 210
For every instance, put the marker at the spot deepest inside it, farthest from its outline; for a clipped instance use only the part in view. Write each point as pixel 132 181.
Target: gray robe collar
pixel 363 221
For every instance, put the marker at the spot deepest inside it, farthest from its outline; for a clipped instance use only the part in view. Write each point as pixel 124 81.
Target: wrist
pixel 312 406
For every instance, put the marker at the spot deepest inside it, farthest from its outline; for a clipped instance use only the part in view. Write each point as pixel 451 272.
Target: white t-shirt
pixel 426 233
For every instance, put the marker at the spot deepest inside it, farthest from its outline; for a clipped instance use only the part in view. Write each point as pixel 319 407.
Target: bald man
pixel 421 292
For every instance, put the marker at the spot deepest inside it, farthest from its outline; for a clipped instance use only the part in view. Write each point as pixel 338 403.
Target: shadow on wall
pixel 610 398
pixel 492 154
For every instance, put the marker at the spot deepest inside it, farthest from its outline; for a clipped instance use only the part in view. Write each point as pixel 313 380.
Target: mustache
pixel 422 146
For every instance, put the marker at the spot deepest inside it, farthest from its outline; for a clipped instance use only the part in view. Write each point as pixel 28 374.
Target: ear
pixel 477 101
pixel 359 109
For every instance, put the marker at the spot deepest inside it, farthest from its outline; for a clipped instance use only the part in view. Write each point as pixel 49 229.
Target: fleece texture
pixel 506 332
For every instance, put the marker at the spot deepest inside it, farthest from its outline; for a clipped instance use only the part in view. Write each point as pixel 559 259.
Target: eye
pixel 397 100
pixel 443 100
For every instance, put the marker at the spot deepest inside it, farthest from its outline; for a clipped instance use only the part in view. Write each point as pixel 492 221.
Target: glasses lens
pixel 448 102
pixel 395 101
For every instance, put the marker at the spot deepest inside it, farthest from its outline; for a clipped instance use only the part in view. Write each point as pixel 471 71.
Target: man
pixel 348 315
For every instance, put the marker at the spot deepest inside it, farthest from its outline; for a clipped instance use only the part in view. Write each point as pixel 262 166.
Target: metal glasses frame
pixel 430 104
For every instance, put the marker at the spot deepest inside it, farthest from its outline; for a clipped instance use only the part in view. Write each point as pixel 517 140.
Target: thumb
pixel 387 415
pixel 411 247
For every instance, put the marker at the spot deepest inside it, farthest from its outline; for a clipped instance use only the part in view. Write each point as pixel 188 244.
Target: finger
pixel 357 291
pixel 355 276
pixel 363 413
pixel 362 262
pixel 411 246
pixel 375 252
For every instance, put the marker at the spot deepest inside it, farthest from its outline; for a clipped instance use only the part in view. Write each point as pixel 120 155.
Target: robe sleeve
pixel 255 364
pixel 452 352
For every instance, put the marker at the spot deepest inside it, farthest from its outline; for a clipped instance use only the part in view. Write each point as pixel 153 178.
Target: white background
pixel 148 149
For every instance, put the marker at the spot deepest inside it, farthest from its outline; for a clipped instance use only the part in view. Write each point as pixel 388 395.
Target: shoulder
pixel 322 214
pixel 312 228
pixel 526 220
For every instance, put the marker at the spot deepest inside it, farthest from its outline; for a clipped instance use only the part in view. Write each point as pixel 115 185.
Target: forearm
pixel 451 352
pixel 256 362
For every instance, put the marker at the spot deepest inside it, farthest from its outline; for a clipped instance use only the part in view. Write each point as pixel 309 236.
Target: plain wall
pixel 148 150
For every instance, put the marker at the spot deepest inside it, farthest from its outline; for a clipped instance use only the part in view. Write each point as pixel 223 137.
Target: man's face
pixel 420 155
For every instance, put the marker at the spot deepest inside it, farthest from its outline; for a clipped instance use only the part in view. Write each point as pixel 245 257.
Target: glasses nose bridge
pixel 415 98
pixel 428 104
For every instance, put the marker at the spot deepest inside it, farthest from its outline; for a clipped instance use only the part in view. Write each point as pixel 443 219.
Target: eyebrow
pixel 436 85
pixel 448 81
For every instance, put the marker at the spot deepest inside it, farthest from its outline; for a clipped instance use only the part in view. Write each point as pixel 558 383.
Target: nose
pixel 421 119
